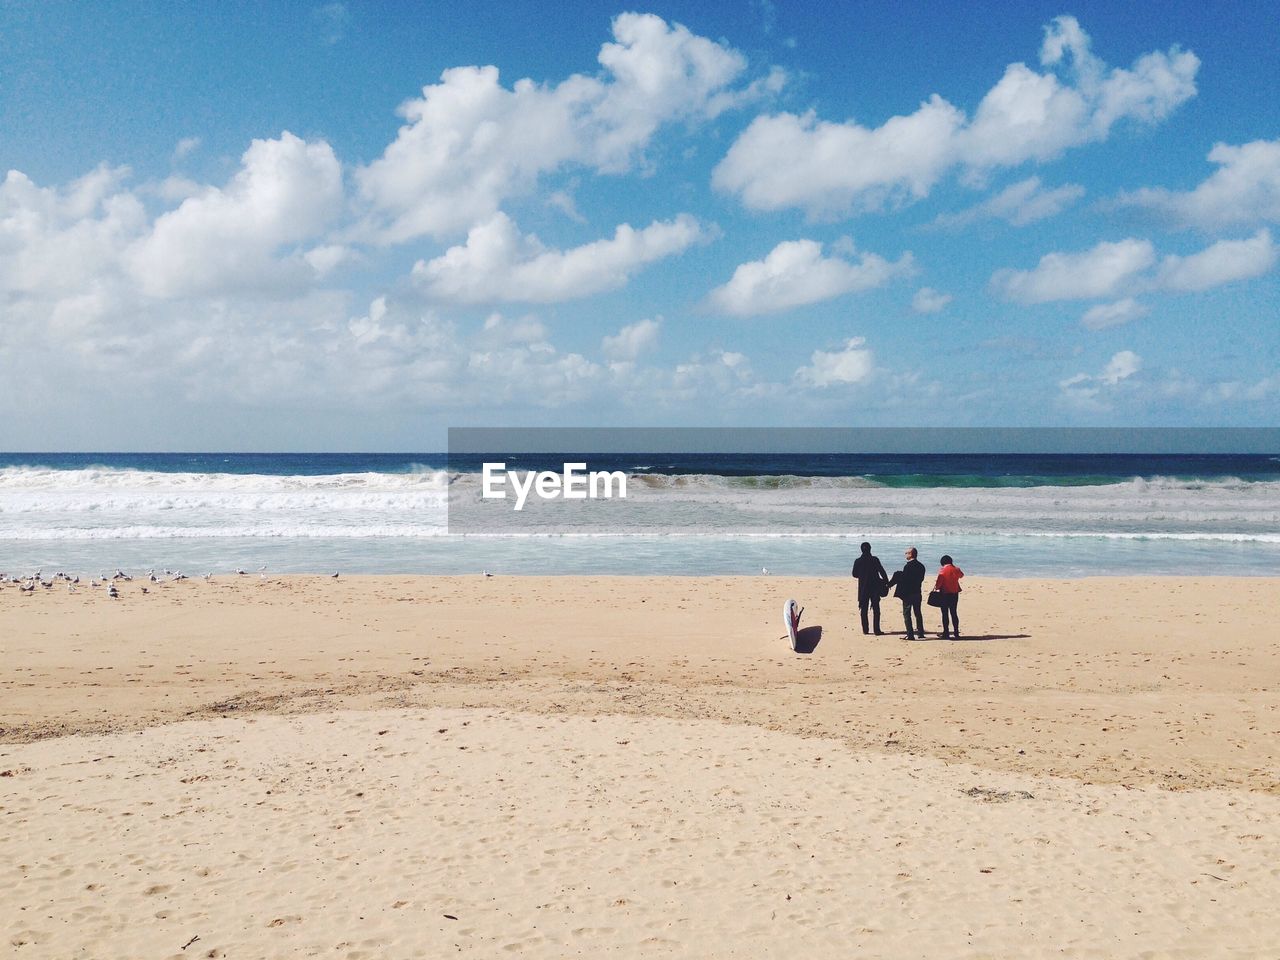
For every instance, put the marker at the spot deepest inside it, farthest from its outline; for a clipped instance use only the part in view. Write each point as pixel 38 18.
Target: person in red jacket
pixel 948 584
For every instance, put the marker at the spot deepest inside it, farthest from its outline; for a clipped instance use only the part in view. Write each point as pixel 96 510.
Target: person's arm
pixel 883 576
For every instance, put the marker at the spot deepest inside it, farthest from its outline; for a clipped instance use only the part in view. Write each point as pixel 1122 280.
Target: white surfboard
pixel 791 617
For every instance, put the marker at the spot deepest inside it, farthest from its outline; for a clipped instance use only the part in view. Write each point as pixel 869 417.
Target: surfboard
pixel 791 617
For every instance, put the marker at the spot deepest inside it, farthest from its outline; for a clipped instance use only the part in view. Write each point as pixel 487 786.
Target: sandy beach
pixel 415 766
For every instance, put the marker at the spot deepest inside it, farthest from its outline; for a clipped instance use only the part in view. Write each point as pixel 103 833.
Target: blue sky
pixel 349 226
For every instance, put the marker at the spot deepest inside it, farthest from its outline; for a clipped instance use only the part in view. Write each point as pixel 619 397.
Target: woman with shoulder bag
pixel 946 595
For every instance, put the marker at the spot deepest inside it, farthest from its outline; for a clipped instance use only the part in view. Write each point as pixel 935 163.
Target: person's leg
pixel 906 618
pixel 955 616
pixel 946 616
pixel 919 619
pixel 862 611
pixel 875 614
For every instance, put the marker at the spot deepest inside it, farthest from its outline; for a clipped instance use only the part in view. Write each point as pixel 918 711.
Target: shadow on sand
pixel 975 638
pixel 808 638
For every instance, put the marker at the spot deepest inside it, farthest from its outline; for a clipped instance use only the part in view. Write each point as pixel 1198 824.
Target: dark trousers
pixel 949 601
pixel 874 601
pixel 908 607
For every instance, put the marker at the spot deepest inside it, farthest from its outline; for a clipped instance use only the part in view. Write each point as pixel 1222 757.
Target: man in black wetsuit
pixel 906 583
pixel 869 572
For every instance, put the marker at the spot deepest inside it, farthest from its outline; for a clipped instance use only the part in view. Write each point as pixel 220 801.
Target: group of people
pixel 907 583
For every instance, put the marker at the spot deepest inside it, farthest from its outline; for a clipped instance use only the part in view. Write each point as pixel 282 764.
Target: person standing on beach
pixel 948 584
pixel 906 583
pixel 872 585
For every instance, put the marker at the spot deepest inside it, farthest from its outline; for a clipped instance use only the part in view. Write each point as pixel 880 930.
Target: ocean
pixel 1006 515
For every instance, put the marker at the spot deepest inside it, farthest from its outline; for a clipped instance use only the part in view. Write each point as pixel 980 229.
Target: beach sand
pixel 420 766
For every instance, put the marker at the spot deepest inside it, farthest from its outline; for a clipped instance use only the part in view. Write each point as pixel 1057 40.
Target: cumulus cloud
pixel 795 273
pixel 1092 390
pixel 60 241
pixel 1112 269
pixel 632 340
pixel 469 143
pixel 286 191
pixel 1244 189
pixel 929 300
pixel 831 169
pixel 1106 315
pixel 852 363
pixel 1018 204
pixel 498 264
pixel 1099 272
pixel 1224 262
pixel 827 169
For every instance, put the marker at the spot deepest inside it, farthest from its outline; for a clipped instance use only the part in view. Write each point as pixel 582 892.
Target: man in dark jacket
pixel 906 583
pixel 872 585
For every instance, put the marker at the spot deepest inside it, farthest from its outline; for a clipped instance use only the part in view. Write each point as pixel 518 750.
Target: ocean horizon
pixel 1007 515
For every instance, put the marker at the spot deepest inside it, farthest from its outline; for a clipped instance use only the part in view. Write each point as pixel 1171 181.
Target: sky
pixel 350 226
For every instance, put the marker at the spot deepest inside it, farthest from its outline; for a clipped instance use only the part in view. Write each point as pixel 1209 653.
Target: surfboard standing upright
pixel 791 617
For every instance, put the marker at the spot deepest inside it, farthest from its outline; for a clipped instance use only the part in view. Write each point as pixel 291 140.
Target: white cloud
pixel 788 160
pixel 223 239
pixel 1093 390
pixel 852 363
pixel 1224 262
pixel 1018 204
pixel 1244 189
pixel 929 300
pixel 469 143
pixel 186 146
pixel 724 375
pixel 326 258
pixel 1113 269
pixel 563 201
pixel 831 169
pixel 497 264
pixel 1106 315
pixel 796 273
pixel 1099 272
pixel 500 330
pixel 632 340
pixel 1121 366
pixel 57 242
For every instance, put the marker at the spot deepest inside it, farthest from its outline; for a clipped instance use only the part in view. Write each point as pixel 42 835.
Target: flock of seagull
pixel 29 582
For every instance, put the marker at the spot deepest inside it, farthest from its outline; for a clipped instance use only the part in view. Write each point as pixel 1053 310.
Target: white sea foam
pixel 394 520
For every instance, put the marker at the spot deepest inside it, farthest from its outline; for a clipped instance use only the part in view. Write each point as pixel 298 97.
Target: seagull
pixel 335 576
pixel 113 593
pixel 241 572
pixel 153 578
pixel 145 590
pixel 27 587
pixel 765 571
pixel 487 573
